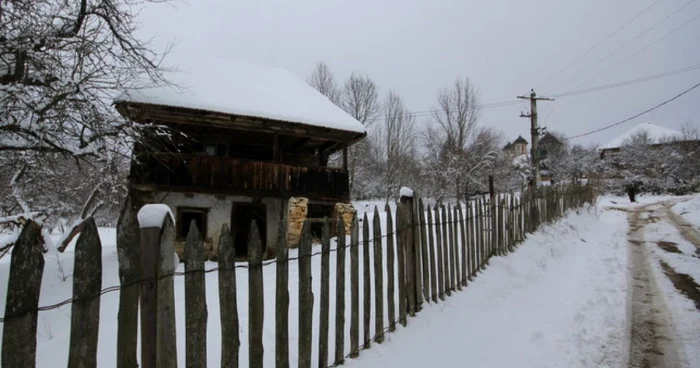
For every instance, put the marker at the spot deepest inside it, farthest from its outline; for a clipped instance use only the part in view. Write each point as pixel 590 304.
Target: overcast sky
pixel 416 47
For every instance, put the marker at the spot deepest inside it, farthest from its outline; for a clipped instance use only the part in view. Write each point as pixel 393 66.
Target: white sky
pixel 506 47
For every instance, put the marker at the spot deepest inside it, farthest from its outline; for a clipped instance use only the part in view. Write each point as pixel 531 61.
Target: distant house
pixel 658 136
pixel 549 143
pixel 517 148
pixel 248 139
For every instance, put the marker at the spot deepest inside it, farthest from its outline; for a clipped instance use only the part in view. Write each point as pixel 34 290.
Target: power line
pixel 611 35
pixel 644 48
pixel 635 116
pixel 585 71
pixel 628 82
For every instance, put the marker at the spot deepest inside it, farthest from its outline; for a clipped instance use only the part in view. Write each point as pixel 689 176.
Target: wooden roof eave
pixel 171 115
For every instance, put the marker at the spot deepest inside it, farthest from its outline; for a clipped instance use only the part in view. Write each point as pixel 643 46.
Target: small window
pixel 210 150
pixel 185 216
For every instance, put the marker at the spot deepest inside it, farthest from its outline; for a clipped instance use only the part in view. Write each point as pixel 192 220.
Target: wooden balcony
pixel 232 176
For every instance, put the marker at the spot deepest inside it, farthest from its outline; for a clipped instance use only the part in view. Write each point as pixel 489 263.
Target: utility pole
pixel 535 131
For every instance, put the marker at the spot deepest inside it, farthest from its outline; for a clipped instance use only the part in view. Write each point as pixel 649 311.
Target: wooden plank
pixel 454 225
pixel 367 284
pixel 228 304
pixel 417 268
pixel 166 334
pixel 431 259
pixel 23 288
pixel 340 289
pixel 471 258
pixel 425 259
pixel 401 223
pixel 195 300
pixel 150 244
pixel 85 310
pixel 480 232
pixel 256 301
pixel 128 253
pixel 462 248
pixel 378 279
pixel 446 251
pixel 306 298
pixel 390 259
pixel 325 295
pixel 439 264
pixel 355 295
pixel 407 241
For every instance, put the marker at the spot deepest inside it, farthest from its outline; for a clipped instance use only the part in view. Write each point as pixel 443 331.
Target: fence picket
pixel 456 283
pixel 366 284
pixel 355 294
pixel 128 253
pixel 325 295
pixel 401 224
pixel 425 260
pixel 390 256
pixel 85 311
pixel 439 265
pixel 462 248
pixel 256 301
pixel 340 288
pixel 431 251
pixel 417 267
pixel 306 298
pixel 408 245
pixel 446 252
pixel 471 258
pixel 23 288
pixel 166 335
pixel 378 279
pixel 195 301
pixel 228 304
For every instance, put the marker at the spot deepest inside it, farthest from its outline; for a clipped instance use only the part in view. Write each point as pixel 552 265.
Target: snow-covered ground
pixel 690 210
pixel 558 301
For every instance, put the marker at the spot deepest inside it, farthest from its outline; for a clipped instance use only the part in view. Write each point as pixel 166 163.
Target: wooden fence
pixel 424 254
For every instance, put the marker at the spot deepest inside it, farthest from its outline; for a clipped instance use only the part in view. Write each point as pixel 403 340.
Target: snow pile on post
pixel 406 192
pixel 153 215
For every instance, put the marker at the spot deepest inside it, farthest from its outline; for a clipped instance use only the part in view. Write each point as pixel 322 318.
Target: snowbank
pixel 690 210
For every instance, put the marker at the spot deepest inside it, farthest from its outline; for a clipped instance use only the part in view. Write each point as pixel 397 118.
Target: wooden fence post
pixel 23 288
pixel 390 275
pixel 401 224
pixel 378 279
pixel 306 298
pixel 470 241
pixel 256 300
pixel 85 311
pixel 446 251
pixel 195 301
pixel 129 274
pixel 367 284
pixel 439 264
pixel 355 294
pixel 158 338
pixel 340 286
pixel 451 241
pixel 417 268
pixel 227 300
pixel 425 260
pixel 431 251
pixel 463 248
pixel 407 243
pixel 325 295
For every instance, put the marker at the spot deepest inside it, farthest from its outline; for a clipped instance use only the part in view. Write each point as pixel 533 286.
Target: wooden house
pixel 243 142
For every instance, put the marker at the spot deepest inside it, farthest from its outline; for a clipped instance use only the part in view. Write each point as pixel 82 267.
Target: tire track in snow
pixel 652 336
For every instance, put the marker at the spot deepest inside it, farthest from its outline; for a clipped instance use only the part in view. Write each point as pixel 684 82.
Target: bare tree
pixel 322 80
pixel 399 149
pixel 61 63
pixel 455 125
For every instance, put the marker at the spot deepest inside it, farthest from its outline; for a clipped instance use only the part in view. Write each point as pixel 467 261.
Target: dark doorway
pixel 242 215
pixel 185 216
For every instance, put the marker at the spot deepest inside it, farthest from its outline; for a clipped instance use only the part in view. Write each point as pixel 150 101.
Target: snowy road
pixel 612 286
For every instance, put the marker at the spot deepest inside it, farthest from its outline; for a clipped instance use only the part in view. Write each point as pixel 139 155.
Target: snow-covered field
pixel 560 300
pixel 690 210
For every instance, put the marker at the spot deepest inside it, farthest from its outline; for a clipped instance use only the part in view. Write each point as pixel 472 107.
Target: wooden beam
pixel 276 147
pixel 345 155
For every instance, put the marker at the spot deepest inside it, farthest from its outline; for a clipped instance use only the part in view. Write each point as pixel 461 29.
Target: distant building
pixel 657 136
pixel 517 148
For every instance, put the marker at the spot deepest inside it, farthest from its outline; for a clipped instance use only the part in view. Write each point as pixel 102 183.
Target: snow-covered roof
pixel 237 88
pixel 655 133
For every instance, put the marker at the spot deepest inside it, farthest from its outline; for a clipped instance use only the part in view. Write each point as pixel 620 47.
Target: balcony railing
pixel 225 175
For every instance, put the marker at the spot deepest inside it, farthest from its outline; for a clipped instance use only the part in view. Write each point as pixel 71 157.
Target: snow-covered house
pixel 655 135
pixel 247 139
